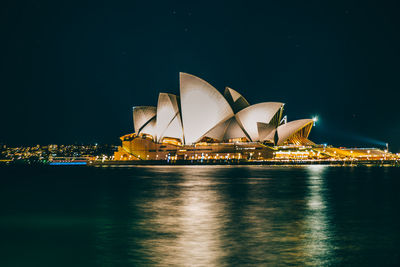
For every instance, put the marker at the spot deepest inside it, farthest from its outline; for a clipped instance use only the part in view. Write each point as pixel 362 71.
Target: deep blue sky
pixel 71 71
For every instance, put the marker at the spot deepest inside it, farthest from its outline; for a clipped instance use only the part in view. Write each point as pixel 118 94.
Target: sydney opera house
pixel 203 124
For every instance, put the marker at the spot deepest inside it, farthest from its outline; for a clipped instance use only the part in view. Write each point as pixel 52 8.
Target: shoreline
pixel 237 162
pixel 127 163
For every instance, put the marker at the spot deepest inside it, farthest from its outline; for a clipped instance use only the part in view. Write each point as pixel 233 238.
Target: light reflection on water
pixel 205 216
pixel 317 244
pixel 192 216
pixel 201 216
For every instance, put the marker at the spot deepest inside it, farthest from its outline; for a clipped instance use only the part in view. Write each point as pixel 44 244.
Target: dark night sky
pixel 71 72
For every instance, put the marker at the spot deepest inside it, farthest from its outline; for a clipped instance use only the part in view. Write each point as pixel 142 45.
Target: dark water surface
pixel 200 216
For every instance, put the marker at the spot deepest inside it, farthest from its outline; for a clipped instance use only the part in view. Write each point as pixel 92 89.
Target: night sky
pixel 72 71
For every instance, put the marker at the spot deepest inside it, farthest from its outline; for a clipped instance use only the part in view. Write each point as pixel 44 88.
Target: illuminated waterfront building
pixel 203 124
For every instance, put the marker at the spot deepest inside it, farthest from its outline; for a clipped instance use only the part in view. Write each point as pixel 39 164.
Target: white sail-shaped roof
pixel 150 128
pixel 234 130
pixel 174 129
pixel 218 131
pixel 262 112
pixel 226 130
pixel 203 107
pixel 271 136
pixel 142 115
pixel 168 117
pixel 286 130
pixel 266 131
pixel 236 100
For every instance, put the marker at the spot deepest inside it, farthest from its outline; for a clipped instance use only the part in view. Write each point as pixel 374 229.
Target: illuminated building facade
pixel 203 124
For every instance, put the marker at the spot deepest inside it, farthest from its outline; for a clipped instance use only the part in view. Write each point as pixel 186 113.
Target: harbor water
pixel 312 215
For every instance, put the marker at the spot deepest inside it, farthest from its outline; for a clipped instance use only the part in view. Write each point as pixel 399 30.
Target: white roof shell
pixel 262 112
pixel 203 107
pixel 226 130
pixel 236 100
pixel 142 115
pixel 266 131
pixel 286 130
pixel 234 130
pixel 150 128
pixel 218 131
pixel 203 111
pixel 169 123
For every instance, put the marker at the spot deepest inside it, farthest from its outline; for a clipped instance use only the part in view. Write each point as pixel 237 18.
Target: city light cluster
pixel 54 153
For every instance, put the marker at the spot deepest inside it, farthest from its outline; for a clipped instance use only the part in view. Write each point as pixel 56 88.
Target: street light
pixel 315 119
